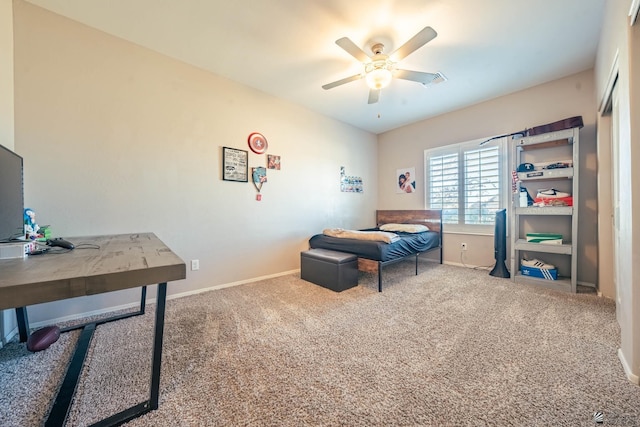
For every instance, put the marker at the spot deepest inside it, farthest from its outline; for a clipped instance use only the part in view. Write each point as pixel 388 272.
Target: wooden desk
pixel 99 264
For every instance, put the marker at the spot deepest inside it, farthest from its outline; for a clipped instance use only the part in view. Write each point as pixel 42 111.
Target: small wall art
pixel 258 143
pixel 273 162
pixel 350 184
pixel 259 177
pixel 234 164
pixel 406 180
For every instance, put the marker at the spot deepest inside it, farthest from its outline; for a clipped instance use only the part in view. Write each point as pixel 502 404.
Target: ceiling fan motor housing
pixel 378 71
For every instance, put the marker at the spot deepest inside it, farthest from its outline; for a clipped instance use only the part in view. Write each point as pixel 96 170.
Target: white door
pixel 615 194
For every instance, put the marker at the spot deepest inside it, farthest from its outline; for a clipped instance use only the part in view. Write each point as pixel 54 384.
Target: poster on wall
pixel 234 164
pixel 406 178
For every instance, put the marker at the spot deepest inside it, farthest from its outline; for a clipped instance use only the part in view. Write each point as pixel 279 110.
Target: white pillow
pixel 405 228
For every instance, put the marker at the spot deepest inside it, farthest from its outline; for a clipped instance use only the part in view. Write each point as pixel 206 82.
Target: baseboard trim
pixel 73 317
pixel 232 284
pixel 627 369
pixel 149 301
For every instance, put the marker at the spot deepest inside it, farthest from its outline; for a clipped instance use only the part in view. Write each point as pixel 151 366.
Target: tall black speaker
pixel 500 245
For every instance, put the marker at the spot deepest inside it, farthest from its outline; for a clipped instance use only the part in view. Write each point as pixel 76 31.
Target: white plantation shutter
pixel 481 185
pixel 467 182
pixel 444 186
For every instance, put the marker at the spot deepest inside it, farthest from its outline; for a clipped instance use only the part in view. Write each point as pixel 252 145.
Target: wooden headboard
pixel 432 218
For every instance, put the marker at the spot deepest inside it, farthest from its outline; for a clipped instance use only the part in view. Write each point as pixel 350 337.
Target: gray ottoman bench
pixel 331 269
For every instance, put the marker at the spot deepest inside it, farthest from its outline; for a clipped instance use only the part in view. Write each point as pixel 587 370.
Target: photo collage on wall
pixel 235 163
pixel 350 184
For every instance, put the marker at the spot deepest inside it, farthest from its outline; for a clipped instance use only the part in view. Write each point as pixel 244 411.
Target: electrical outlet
pixel 195 264
pixel 463 246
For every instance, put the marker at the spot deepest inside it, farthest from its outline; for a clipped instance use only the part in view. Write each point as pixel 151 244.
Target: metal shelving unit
pixel 548 148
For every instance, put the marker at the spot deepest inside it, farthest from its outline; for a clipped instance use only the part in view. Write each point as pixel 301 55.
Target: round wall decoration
pixel 258 143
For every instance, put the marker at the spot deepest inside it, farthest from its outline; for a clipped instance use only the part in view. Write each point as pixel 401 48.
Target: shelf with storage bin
pixel 553 148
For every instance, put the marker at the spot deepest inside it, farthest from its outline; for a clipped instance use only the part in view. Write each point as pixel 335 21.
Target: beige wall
pixel 6 74
pixel 560 99
pixel 119 139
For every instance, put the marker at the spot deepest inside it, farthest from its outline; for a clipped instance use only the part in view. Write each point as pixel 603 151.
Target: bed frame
pixel 432 218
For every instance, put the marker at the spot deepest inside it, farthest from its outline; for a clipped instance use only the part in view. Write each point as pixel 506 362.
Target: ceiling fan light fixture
pixel 378 78
pixel 378 70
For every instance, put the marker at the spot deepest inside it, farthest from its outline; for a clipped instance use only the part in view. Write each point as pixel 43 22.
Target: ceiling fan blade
pixel 416 76
pixel 414 43
pixel 342 81
pixel 352 49
pixel 374 95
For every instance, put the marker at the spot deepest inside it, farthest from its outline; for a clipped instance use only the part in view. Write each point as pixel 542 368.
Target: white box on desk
pixel 16 249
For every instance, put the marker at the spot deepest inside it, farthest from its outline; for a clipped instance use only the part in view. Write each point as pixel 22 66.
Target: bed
pixel 373 256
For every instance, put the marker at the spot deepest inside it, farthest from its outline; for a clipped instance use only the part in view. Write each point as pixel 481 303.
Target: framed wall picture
pixel 235 165
pixel 406 180
pixel 273 162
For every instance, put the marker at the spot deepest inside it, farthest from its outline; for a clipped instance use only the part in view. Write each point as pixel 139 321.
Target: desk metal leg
pixel 154 395
pixel 62 404
pixel 157 346
pixel 23 323
pixel 143 298
pixel 23 319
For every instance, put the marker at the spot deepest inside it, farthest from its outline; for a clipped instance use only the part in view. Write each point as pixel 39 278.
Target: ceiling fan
pixel 379 69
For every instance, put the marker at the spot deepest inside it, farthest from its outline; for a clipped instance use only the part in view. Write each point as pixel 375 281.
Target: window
pixel 467 182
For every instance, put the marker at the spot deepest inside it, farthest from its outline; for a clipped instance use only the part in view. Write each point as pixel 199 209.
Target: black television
pixel 11 196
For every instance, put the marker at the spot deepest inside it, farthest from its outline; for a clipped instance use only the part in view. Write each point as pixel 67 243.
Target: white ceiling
pixel 486 48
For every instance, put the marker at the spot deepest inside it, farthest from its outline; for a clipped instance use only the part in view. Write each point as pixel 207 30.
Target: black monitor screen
pixel 11 195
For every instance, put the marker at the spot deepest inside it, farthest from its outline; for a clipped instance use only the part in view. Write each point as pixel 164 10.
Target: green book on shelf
pixel 547 238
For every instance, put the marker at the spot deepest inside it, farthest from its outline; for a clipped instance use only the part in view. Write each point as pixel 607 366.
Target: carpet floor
pixel 449 347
